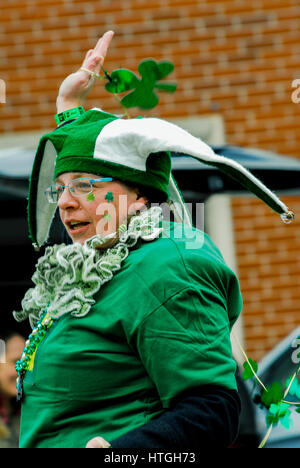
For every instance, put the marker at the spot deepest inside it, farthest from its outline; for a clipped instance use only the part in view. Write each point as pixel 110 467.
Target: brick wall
pixel 235 57
pixel 269 272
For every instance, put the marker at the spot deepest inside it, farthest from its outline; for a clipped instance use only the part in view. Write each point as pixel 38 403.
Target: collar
pixel 67 277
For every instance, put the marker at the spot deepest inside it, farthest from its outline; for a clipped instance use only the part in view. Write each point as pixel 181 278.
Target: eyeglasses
pixel 77 187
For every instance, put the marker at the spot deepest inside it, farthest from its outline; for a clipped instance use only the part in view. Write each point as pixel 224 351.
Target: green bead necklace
pixel 31 345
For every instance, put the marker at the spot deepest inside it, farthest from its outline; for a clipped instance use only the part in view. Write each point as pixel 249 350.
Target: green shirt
pixel 159 327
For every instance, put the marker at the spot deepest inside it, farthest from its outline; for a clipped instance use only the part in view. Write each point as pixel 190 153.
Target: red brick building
pixel 234 59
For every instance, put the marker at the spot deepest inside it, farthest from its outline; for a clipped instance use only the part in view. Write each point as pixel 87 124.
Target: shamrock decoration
pixel 295 388
pixel 107 216
pixel 279 412
pixel 143 94
pixel 90 197
pixel 250 368
pixel 109 197
pixel 272 395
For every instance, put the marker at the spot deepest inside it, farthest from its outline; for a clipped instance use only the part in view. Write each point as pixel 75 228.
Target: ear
pixel 140 205
pixel 141 197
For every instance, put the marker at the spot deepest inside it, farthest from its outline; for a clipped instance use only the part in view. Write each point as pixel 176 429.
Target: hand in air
pixel 76 86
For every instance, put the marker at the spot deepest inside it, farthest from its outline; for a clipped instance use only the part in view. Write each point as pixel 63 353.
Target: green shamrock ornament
pixel 249 367
pixel 109 197
pixel 143 94
pixel 279 412
pixel 294 388
pixel 272 395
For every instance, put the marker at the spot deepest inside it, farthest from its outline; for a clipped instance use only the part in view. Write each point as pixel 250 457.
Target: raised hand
pixel 76 86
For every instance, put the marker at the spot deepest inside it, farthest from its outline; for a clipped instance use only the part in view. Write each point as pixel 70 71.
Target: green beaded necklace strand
pixel 31 345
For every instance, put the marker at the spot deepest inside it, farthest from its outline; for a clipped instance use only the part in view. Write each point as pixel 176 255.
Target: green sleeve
pixel 185 342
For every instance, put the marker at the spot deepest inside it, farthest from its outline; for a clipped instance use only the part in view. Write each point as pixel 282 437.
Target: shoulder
pixel 181 251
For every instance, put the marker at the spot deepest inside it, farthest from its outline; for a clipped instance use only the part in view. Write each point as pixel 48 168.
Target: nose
pixel 67 200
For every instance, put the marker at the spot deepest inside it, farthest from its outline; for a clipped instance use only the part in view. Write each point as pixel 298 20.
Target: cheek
pixel 91 210
pixel 111 213
pixel 110 202
pixel 106 218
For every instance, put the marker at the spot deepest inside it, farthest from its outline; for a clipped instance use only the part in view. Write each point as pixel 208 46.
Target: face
pixel 85 216
pixel 8 375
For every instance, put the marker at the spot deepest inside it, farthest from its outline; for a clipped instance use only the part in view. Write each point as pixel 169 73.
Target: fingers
pixel 92 60
pixel 89 53
pixel 97 442
pixel 95 57
pixel 104 43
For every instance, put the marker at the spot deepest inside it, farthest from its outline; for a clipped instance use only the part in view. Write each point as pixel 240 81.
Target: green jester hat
pixel 133 150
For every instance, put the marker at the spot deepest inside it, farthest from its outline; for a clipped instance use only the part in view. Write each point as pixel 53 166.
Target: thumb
pixel 97 442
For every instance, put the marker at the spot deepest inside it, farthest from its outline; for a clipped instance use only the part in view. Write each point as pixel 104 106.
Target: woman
pixel 131 322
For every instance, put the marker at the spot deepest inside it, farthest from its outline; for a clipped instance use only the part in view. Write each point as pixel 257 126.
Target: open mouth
pixel 77 226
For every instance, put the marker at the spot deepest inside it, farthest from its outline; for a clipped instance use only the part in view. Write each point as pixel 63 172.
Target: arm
pixel 75 88
pixel 203 417
pixel 185 348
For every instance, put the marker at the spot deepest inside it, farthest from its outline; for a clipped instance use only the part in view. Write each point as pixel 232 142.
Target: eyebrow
pixel 77 175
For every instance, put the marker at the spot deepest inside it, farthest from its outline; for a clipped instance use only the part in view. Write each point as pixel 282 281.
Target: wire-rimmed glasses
pixel 77 187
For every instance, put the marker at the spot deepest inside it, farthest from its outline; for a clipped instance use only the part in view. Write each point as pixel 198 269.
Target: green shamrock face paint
pixel 90 197
pixel 107 216
pixel 109 197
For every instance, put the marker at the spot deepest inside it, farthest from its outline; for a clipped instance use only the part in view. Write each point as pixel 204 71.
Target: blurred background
pixel 235 62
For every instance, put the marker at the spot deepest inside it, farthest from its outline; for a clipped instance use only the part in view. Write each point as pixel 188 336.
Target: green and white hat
pixel 132 150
